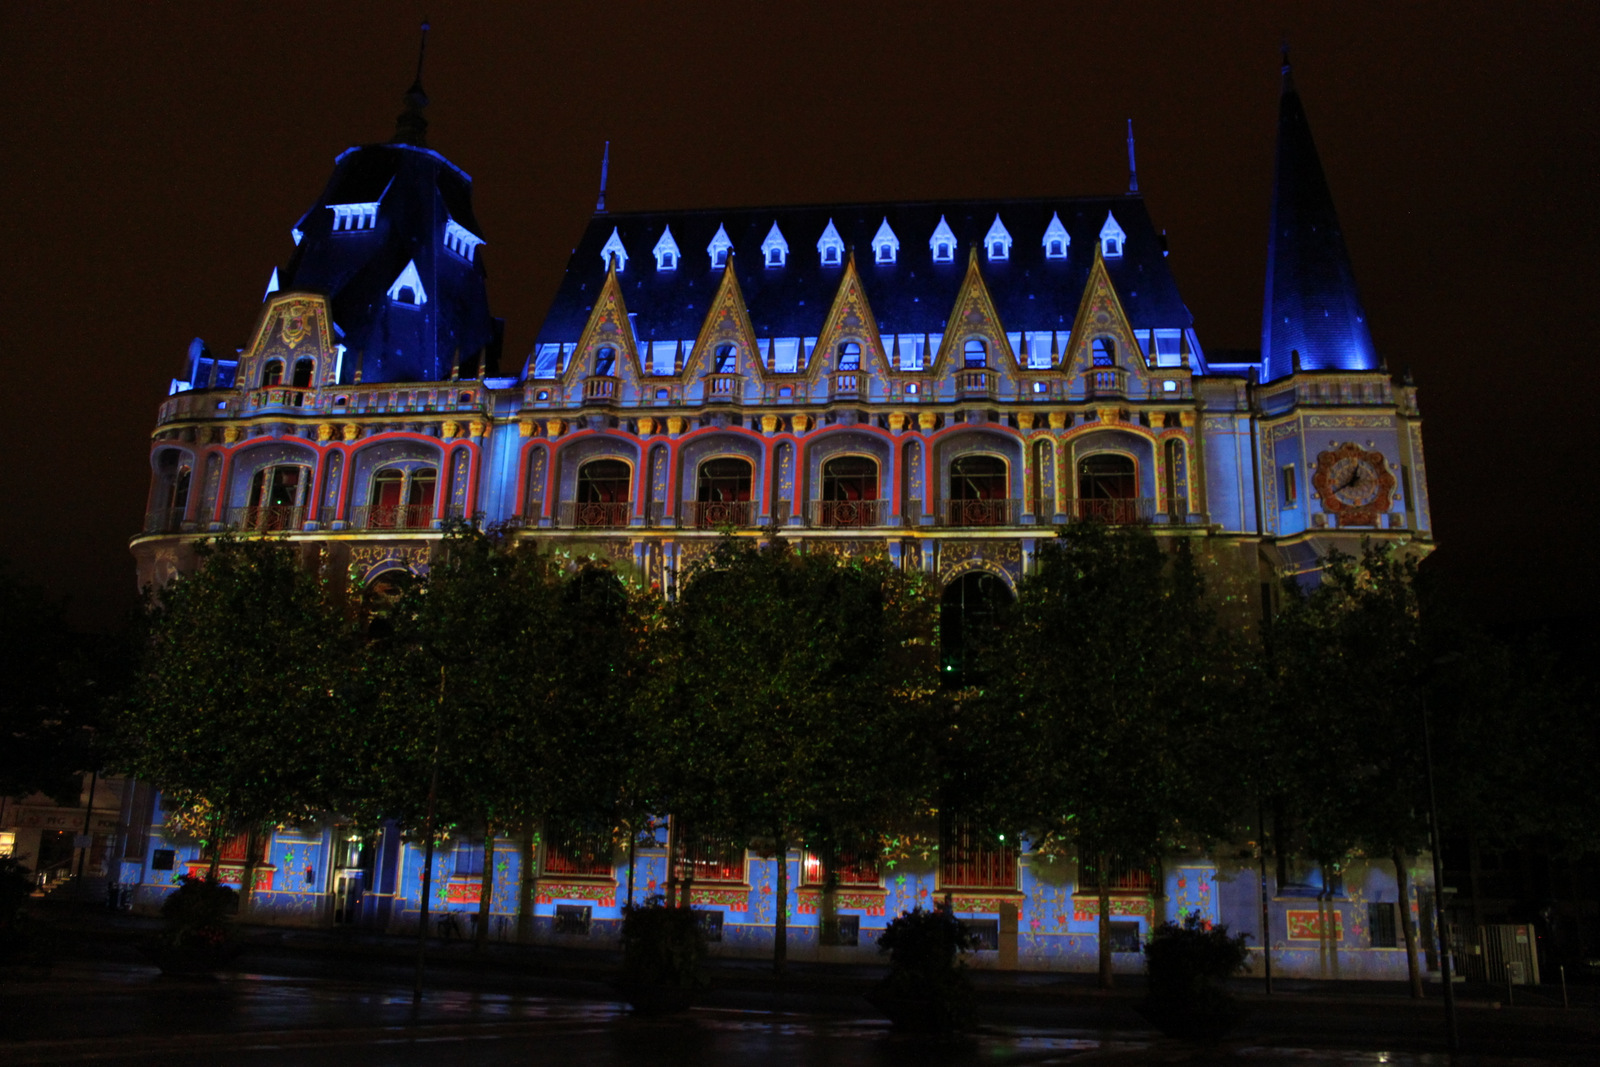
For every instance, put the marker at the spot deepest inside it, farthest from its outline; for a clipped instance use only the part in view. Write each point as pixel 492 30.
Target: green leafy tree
pixel 1110 688
pixel 789 702
pixel 237 706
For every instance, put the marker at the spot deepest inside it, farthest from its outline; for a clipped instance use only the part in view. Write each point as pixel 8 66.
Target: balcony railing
pixel 282 396
pixel 834 514
pixel 267 517
pixel 599 390
pixel 847 383
pixel 593 514
pixel 975 382
pixel 1106 381
pixel 164 520
pixel 994 512
pixel 722 387
pixel 1130 511
pixel 713 514
pixel 392 516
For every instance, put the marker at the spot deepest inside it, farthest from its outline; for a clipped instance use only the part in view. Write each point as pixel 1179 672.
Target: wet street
pixel 119 1012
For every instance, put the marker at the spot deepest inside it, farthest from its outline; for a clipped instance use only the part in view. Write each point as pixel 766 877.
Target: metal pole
pixel 1266 905
pixel 427 851
pixel 1453 1035
pixel 1563 969
pixel 88 818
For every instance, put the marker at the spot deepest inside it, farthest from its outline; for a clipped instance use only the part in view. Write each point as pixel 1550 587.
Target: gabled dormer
pixel 407 288
pixel 997 242
pixel 1057 241
pixel 460 240
pixel 885 245
pixel 666 251
pixel 614 248
pixel 1111 237
pixel 352 218
pixel 721 244
pixel 774 250
pixel 830 246
pixel 943 243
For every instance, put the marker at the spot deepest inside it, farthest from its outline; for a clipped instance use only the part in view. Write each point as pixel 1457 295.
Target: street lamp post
pixel 1453 1035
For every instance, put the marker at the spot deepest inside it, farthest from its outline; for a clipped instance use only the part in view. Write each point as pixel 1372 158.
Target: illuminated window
pixel 849 356
pixel 460 240
pixel 348 218
pixel 401 499
pixel 277 498
pixel 998 241
pixel 1056 239
pixel 407 288
pixel 775 248
pixel 666 251
pixel 1111 237
pixel 885 245
pixel 614 248
pixel 943 242
pixel 971 859
pixel 830 246
pixel 719 247
pixel 603 494
pixel 605 361
pixel 1103 352
pixel 976 353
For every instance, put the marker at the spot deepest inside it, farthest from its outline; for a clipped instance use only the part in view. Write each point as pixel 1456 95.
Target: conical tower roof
pixel 1312 306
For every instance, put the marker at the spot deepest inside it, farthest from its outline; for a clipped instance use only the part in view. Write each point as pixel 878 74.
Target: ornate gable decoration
pixel 1100 314
pixel 292 326
pixel 727 322
pixel 974 316
pixel 849 319
pixel 608 327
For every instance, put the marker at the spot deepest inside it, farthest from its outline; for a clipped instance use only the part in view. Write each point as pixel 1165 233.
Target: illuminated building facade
pixel 941 383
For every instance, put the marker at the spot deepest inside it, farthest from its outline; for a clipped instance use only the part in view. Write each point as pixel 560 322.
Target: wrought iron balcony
pixel 992 512
pixel 833 514
pixel 595 514
pixel 714 514
pixel 1127 511
pixel 392 517
pixel 165 520
pixel 267 518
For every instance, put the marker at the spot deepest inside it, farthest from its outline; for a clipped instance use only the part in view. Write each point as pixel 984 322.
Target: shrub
pixel 199 914
pixel 926 987
pixel 16 882
pixel 662 946
pixel 1187 966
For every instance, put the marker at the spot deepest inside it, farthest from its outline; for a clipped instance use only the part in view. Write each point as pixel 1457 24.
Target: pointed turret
pixel 410 127
pixel 1312 306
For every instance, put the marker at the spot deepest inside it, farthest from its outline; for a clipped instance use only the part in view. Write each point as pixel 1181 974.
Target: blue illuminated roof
pixel 913 294
pixel 1312 305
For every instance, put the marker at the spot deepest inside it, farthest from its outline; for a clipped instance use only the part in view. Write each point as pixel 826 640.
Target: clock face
pixel 1354 484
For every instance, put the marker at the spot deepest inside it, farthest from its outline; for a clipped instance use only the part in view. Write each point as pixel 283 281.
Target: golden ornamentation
pixel 1025 420
pixel 325 432
pixel 927 420
pixel 525 427
pixel 449 429
pixel 800 423
pixel 897 421
pixel 477 427
pixel 230 435
pixel 675 424
pixel 647 426
pixel 1058 420
pixel 1109 415
pixel 553 427
pixel 350 431
pixel 770 423
pixel 1187 419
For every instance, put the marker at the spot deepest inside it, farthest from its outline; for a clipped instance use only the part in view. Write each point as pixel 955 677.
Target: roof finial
pixel 1288 69
pixel 1133 167
pixel 411 127
pixel 605 166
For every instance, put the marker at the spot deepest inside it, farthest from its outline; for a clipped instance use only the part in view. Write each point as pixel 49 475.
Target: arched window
pixel 968 612
pixel 303 369
pixel 976 352
pixel 726 359
pixel 979 491
pixel 602 497
pixel 849 356
pixel 180 491
pixel 1104 352
pixel 1108 489
pixel 849 492
pixel 402 500
pixel 1056 250
pixel 605 362
pixel 722 493
pixel 272 373
pixel 277 498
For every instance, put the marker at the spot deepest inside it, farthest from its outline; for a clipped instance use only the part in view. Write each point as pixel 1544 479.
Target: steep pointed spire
pixel 1312 305
pixel 605 168
pixel 411 127
pixel 1133 166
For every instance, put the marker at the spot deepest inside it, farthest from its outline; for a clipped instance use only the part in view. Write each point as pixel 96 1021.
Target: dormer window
pixel 830 246
pixel 726 360
pixel 614 247
pixel 976 353
pixel 1057 242
pixel 407 288
pixel 460 240
pixel 1103 352
pixel 943 242
pixel 605 362
pixel 775 250
pixel 1111 237
pixel 998 241
pixel 849 356
pixel 666 251
pixel 348 218
pixel 885 245
pixel 719 248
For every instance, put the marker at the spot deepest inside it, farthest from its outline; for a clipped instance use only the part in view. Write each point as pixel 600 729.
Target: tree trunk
pixel 1402 881
pixel 216 851
pixel 1106 979
pixel 672 861
pixel 528 873
pixel 1266 903
pixel 633 856
pixel 485 889
pixel 247 877
pixel 427 852
pixel 780 914
pixel 828 906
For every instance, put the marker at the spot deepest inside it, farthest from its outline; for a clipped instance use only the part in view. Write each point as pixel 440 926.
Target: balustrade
pixel 1106 381
pixel 282 396
pixel 722 387
pixel 599 389
pixel 847 383
pixel 975 382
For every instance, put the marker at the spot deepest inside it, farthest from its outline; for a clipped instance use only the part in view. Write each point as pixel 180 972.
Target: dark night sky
pixel 155 157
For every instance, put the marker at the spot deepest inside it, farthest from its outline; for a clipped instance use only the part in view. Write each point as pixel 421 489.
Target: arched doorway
pixel 602 496
pixel 1108 489
pixel 849 492
pixel 722 493
pixel 968 613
